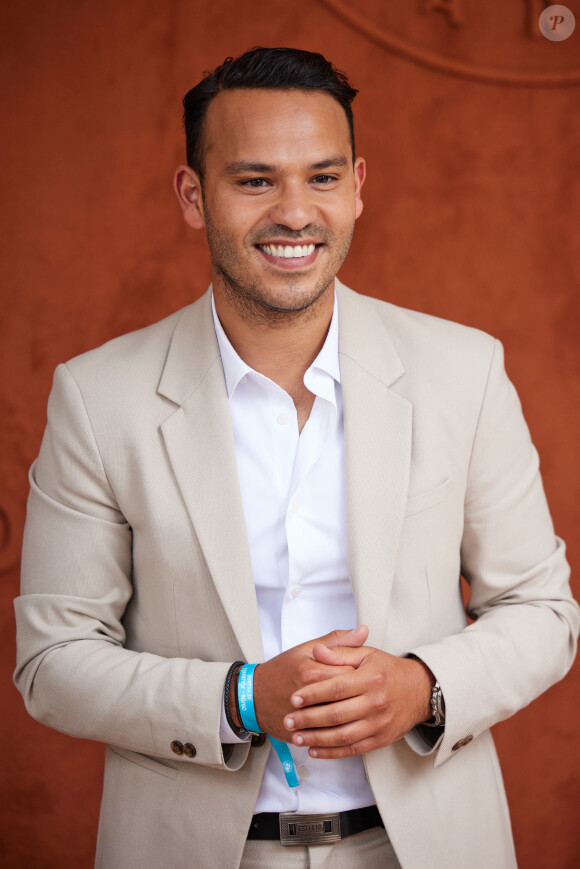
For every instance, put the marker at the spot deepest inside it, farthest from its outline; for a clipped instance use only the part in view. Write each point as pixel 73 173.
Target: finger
pixel 321 673
pixel 355 637
pixel 356 737
pixel 329 715
pixel 335 737
pixel 337 752
pixel 340 655
pixel 346 683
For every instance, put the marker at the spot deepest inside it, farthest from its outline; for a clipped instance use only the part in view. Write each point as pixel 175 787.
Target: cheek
pixel 236 214
pixel 343 214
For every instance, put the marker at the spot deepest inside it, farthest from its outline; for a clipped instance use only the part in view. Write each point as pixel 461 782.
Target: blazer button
pixel 189 750
pixel 176 747
pixel 462 742
pixel 258 739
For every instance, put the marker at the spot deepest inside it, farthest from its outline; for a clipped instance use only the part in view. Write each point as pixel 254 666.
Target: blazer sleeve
pixel 526 623
pixel 72 668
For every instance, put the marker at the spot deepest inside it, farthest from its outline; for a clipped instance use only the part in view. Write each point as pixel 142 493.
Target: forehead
pixel 275 126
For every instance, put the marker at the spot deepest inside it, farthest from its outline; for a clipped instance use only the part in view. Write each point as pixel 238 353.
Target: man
pixel 289 473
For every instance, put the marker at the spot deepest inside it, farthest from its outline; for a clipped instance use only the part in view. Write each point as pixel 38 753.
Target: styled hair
pixel 273 68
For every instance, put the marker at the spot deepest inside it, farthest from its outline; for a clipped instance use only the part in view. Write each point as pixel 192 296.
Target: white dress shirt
pixel 293 489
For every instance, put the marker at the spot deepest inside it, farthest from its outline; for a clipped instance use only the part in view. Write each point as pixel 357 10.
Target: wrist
pixel 425 682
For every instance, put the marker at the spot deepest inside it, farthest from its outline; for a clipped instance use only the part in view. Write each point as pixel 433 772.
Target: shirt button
pixel 303 772
pixel 243 379
pixel 297 589
pixel 282 419
pixel 293 507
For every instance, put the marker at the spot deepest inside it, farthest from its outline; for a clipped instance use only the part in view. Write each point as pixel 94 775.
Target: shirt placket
pixel 309 449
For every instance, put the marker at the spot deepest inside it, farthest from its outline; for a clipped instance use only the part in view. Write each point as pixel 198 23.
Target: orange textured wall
pixel 470 122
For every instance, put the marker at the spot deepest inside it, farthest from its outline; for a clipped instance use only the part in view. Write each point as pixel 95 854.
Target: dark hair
pixel 273 68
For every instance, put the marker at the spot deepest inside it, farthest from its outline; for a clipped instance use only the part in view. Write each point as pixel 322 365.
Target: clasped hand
pixel 339 697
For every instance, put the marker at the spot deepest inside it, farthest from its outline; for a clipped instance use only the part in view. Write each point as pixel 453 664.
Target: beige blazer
pixel 137 588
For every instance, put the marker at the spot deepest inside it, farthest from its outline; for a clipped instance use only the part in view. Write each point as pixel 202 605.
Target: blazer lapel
pixel 377 428
pixel 200 445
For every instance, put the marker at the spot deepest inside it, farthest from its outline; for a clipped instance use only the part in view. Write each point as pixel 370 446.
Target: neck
pixel 282 346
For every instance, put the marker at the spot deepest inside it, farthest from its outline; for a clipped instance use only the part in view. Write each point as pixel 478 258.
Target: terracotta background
pixel 471 213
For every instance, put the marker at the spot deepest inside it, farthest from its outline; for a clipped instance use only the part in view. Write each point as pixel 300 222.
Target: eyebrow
pixel 238 167
pixel 336 161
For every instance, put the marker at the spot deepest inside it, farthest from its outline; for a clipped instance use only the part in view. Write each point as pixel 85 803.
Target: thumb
pixel 353 638
pixel 341 656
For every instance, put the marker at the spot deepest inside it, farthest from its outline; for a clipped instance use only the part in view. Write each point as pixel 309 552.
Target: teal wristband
pixel 246 698
pixel 250 722
pixel 283 751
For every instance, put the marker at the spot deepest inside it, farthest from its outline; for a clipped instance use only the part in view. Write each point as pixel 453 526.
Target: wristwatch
pixel 437 707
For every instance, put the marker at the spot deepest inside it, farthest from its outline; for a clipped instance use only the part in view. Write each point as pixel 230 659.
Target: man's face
pixel 280 196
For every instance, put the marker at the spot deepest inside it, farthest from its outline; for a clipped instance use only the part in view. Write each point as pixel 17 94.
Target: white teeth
pixel 287 251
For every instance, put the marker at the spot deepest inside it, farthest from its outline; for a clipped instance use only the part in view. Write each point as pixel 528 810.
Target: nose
pixel 293 207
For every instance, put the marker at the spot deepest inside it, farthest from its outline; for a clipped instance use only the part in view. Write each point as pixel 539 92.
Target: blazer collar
pixel 363 336
pixel 192 352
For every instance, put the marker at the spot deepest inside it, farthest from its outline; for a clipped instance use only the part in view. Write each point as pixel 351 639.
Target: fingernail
pixel 289 723
pixel 313 752
pixel 299 740
pixel 298 701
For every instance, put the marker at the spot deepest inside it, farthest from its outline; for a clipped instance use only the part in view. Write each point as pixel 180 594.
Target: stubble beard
pixel 253 300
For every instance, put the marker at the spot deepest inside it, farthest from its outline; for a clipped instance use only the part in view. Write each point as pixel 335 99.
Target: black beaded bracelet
pixel 239 731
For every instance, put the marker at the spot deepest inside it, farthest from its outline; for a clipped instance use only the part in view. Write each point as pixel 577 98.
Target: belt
pixel 292 829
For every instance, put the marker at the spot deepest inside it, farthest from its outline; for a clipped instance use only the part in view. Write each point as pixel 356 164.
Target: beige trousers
pixel 368 850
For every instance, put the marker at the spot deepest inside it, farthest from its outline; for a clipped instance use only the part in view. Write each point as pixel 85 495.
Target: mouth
pixel 289 255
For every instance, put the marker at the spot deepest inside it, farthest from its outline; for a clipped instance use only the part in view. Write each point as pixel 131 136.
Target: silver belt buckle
pixel 309 829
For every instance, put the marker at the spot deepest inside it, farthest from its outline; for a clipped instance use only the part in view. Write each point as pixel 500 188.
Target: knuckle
pixel 335 717
pixel 381 699
pixel 344 740
pixel 336 689
pixel 388 720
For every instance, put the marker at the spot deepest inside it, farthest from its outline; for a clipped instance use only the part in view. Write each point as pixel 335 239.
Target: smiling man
pixel 247 526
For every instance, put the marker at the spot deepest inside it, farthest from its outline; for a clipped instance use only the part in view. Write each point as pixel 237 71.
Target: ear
pixel 360 173
pixel 187 187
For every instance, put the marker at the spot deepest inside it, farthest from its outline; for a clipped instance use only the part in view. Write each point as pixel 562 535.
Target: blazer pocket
pixel 425 500
pixel 155 764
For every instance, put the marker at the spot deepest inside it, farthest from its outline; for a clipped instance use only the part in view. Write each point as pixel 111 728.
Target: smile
pixel 288 251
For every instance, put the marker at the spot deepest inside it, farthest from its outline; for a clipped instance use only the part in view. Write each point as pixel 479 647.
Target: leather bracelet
pixel 240 732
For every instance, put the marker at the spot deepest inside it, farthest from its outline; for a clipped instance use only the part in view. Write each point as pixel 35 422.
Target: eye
pixel 254 183
pixel 324 179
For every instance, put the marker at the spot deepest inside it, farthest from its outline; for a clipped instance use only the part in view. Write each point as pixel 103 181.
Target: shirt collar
pixel 317 378
pixel 234 366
